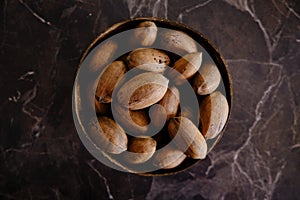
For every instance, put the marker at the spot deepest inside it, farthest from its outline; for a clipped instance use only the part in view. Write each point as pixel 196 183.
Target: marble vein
pixel 29 153
pixel 99 13
pixel 245 60
pixel 268 187
pixel 15 98
pixel 243 5
pixel 27 98
pixel 296 116
pixel 37 16
pixel 295 146
pixel 262 28
pixel 277 8
pixel 297 15
pixel 166 8
pixel 27 76
pixel 188 10
pixel 56 193
pixel 155 8
pixel 90 164
pixel 134 4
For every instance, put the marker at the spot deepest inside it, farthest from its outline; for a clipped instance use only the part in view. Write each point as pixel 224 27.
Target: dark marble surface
pixel 41 155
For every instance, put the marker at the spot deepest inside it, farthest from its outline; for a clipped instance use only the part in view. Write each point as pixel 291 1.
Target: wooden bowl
pixel 83 112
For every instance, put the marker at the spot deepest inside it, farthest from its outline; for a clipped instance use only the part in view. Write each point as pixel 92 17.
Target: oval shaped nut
pixel 187 66
pixel 101 108
pixel 145 33
pixel 133 121
pixel 140 150
pixel 170 102
pixel 190 113
pixel 148 59
pixel 158 117
pixel 214 113
pixel 177 42
pixel 142 90
pixel 187 137
pixel 108 135
pixel 108 80
pixel 101 55
pixel 168 157
pixel 89 105
pixel 167 108
pixel 207 80
pixel 177 162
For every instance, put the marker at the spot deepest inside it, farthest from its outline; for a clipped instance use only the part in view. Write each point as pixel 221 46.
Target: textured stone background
pixel 41 155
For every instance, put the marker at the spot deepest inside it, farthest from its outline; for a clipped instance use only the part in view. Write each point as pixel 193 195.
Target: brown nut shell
pixel 207 80
pixel 133 121
pixel 140 149
pixel 190 112
pixel 168 107
pixel 145 33
pixel 187 137
pixel 108 80
pixel 171 101
pixel 187 66
pixel 177 42
pixel 108 135
pixel 143 90
pixel 101 55
pixel 168 157
pixel 148 59
pixel 214 113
